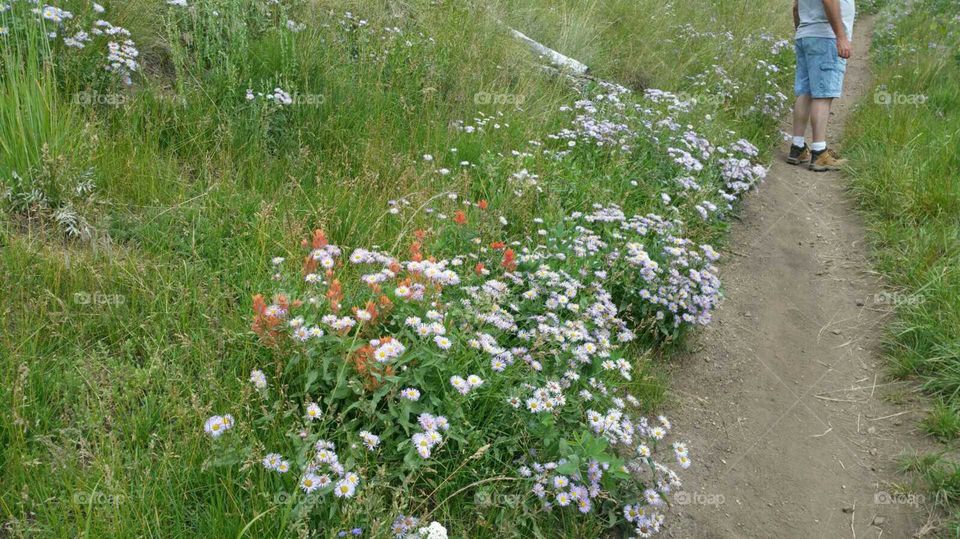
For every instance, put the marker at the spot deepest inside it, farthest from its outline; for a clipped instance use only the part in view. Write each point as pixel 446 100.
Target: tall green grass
pixel 35 123
pixel 903 142
pixel 904 145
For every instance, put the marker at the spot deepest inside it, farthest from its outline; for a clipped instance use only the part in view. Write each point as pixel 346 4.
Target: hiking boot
pixel 826 160
pixel 798 154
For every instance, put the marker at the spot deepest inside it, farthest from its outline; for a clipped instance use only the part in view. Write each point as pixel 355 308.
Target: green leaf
pixel 341 393
pixel 571 467
pixel 411 459
pixel 311 378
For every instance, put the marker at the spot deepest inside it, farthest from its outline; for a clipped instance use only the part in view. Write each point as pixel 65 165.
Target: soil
pixel 794 429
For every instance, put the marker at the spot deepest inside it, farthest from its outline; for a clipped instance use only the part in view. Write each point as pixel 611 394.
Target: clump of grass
pixel 943 421
pixel 941 477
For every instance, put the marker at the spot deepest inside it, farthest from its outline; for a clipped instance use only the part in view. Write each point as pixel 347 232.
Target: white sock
pixel 799 141
pixel 819 146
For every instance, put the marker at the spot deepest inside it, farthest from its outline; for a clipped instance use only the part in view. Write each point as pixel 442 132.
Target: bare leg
pixel 801 115
pixel 819 116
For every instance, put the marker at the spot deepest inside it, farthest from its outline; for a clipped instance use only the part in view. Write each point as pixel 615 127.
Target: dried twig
pixel 853 514
pixel 821 397
pixel 891 415
pixel 822 435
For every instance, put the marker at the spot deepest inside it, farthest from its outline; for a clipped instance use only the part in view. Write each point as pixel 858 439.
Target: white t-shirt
pixel 814 23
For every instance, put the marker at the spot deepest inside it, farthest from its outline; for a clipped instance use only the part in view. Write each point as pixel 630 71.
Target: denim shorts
pixel 820 69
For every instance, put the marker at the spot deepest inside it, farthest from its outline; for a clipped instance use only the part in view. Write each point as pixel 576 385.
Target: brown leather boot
pixel 826 160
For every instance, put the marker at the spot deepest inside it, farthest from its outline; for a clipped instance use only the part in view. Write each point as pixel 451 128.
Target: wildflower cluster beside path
pixel 470 349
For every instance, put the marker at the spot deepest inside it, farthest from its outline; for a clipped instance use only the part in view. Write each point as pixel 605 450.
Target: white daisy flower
pixel 309 482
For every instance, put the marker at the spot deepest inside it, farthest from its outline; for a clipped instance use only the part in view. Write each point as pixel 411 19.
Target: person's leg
pixel 826 83
pixel 801 117
pixel 819 117
pixel 801 107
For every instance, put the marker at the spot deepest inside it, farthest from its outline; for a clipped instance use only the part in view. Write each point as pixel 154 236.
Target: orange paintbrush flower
pixel 416 253
pixel 335 295
pixel 266 319
pixel 509 261
pixel 309 264
pixel 319 239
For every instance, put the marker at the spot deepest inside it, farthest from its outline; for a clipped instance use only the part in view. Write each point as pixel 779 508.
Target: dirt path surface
pixel 793 429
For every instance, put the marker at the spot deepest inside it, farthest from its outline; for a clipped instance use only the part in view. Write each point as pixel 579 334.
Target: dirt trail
pixel 792 425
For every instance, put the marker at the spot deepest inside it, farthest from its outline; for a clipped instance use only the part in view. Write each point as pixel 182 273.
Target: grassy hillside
pixel 140 218
pixel 904 144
